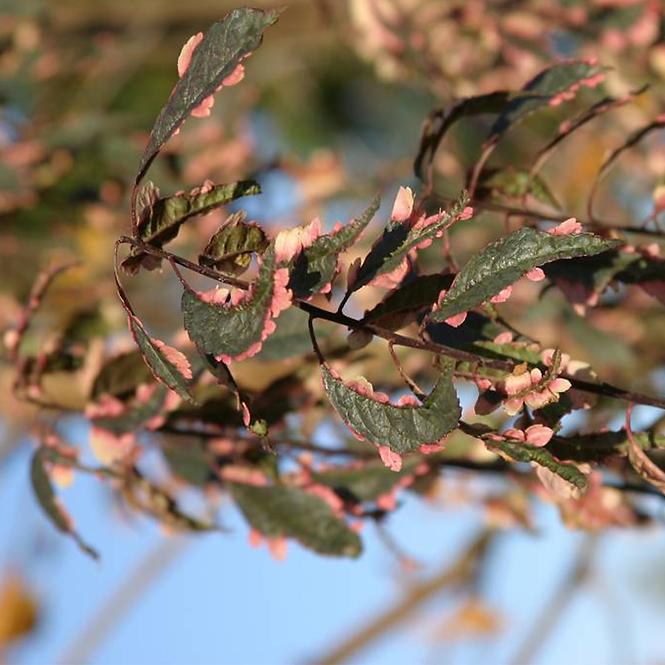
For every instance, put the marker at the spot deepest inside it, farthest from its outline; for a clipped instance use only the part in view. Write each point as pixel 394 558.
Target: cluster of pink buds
pixel 534 389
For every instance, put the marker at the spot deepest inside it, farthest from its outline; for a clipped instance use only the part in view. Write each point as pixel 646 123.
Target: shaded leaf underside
pixel 280 511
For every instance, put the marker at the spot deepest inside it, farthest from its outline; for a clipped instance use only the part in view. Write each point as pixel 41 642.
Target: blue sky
pixel 222 602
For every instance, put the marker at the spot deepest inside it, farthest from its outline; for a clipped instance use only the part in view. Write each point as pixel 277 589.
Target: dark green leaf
pixel 564 77
pixel 519 452
pixel 188 459
pixel 402 428
pixel 293 513
pixel 598 446
pixel 503 262
pixel 231 330
pixel 315 267
pixel 223 46
pixel 366 483
pixel 580 278
pixel 523 352
pixel 230 249
pixel 401 306
pixel 41 485
pixel 160 221
pixel 476 327
pixel 397 241
pixel 136 414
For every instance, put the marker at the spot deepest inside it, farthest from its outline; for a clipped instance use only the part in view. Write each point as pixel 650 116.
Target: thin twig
pixel 460 572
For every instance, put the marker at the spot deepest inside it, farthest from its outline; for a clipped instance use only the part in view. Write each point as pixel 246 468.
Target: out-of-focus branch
pixel 558 604
pixel 115 609
pixel 461 571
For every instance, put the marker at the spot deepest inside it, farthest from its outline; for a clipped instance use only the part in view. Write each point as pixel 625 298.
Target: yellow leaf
pixel 18 609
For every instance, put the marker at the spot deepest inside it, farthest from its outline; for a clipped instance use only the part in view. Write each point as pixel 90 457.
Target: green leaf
pixel 401 305
pixel 121 375
pixel 223 46
pixel 366 483
pixel 188 459
pixel 519 452
pixel 161 219
pixel 523 351
pixel 397 241
pixel 230 249
pixel 402 428
pixel 290 339
pixel 503 262
pixel 160 360
pixel 290 512
pixel 231 330
pixel 315 267
pixel 540 91
pixel 43 489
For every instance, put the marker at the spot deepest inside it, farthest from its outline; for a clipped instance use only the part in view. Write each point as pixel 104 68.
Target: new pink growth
pixel 175 357
pixel 328 495
pixel 388 501
pixel 291 242
pixel 246 417
pixel 502 296
pixel 503 338
pixel 536 435
pixel 255 538
pixel 235 473
pixel 568 227
pixel 108 447
pixel 403 206
pixel 568 94
pixel 535 275
pixel 391 459
pixel 277 548
pixel 457 319
pixel 430 448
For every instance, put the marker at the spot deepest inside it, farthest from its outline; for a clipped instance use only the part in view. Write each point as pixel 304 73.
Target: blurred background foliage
pixel 330 113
